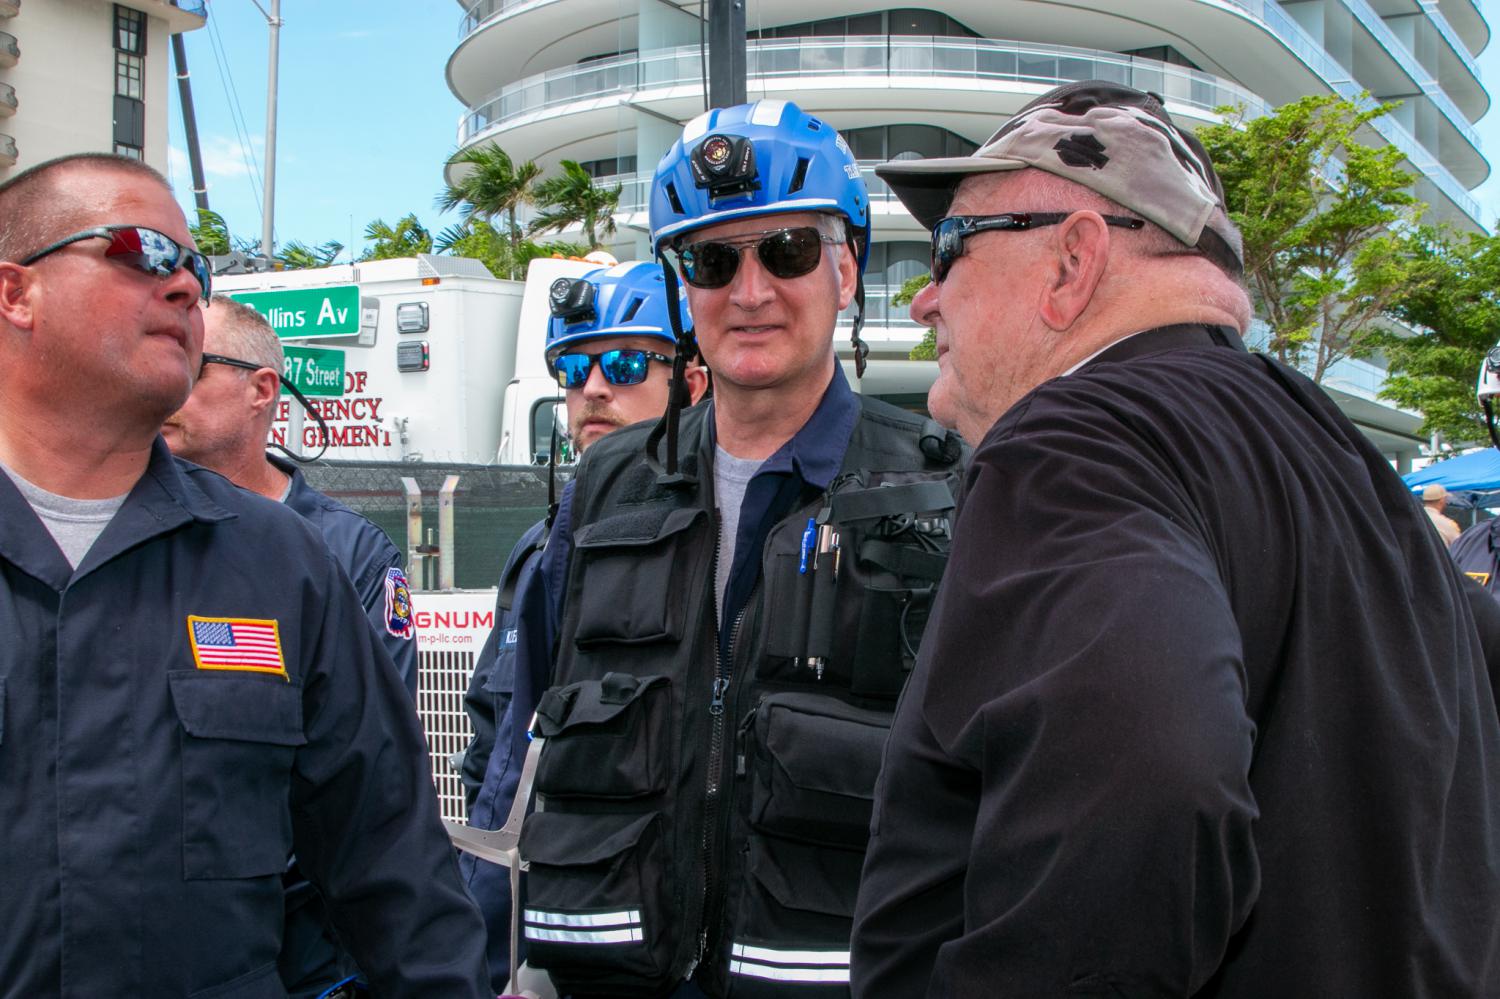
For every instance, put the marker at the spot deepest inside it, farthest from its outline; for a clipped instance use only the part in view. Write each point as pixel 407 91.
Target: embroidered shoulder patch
pixel 397 604
pixel 236 643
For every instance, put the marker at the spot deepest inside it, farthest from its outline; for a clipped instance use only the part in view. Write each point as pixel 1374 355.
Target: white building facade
pixel 87 76
pixel 610 82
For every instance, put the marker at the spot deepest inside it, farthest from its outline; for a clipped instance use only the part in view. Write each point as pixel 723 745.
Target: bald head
pixel 44 203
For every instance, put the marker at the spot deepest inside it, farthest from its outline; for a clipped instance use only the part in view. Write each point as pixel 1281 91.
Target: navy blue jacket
pixel 151 800
pixel 513 667
pixel 372 563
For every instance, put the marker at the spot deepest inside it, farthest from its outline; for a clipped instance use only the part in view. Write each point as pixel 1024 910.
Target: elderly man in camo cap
pixel 1180 725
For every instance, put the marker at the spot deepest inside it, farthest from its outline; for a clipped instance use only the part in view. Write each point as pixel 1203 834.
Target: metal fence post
pixel 414 554
pixel 446 548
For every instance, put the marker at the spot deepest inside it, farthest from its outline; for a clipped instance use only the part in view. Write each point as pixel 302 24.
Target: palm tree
pixel 211 233
pixel 574 199
pixel 406 238
pixel 494 185
pixel 297 255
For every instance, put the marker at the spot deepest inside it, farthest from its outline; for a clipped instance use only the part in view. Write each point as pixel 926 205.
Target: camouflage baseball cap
pixel 1112 139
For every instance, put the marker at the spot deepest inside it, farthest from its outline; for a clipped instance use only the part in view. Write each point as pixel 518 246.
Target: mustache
pixel 598 414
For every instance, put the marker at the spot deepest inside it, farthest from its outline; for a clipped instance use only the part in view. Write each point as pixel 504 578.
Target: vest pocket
pixel 240 734
pixel 605 738
pixel 629 562
pixel 598 910
pixel 791 930
pixel 815 764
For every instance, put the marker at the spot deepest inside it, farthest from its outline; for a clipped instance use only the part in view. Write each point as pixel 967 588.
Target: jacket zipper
pixel 713 782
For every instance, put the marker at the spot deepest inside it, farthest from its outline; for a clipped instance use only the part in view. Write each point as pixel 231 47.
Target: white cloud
pixel 223 157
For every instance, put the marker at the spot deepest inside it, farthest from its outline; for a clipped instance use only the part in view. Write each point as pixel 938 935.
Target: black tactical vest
pixel 702 813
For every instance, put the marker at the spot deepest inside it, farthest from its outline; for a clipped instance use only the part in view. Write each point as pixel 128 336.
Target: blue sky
pixel 365 119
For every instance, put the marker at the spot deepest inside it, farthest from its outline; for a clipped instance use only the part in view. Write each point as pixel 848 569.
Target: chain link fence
pixel 492 507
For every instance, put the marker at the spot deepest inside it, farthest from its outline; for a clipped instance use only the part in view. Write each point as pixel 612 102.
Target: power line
pixel 236 114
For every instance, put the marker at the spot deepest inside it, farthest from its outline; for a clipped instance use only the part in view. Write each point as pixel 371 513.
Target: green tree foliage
pixel 1323 219
pixel 492 186
pixel 211 233
pixel 297 255
pixel 927 349
pixel 1456 311
pixel 574 199
pixel 406 238
pixel 483 242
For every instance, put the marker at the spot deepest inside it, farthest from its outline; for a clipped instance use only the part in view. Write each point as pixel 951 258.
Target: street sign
pixel 314 370
pixel 307 313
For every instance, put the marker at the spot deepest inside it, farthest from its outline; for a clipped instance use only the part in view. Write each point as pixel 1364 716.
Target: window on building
pixel 901 21
pixel 891 142
pixel 1163 53
pixel 130 122
pixel 130 30
pixel 611 167
pixel 130 75
pixel 134 152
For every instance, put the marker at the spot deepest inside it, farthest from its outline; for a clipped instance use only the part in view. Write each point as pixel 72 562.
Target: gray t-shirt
pixel 731 476
pixel 75 524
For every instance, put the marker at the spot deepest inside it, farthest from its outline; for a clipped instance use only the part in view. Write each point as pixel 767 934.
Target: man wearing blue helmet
pixel 610 344
pixel 747 588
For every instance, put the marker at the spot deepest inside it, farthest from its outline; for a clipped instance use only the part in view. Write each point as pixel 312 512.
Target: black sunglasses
pixel 620 367
pixel 785 253
pixel 146 250
pixel 949 234
pixel 233 362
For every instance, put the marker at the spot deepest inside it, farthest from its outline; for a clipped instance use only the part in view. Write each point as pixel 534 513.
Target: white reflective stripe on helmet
pixel 767 112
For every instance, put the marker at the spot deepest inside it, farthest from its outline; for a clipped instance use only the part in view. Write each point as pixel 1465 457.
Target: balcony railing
pixel 1454 42
pixel 8 152
pixel 10 49
pixel 482 11
pixel 1320 62
pixel 198 7
pixel 877 55
pixel 10 8
pixel 7 100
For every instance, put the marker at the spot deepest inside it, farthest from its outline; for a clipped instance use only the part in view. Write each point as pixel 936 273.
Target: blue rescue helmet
pixel 757 159
pixel 628 299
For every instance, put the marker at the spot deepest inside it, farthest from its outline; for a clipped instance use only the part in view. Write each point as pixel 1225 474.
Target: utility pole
pixel 273 20
pixel 726 53
pixel 189 122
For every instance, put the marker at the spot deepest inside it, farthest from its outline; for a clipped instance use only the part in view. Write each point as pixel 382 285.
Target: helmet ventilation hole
pixel 799 176
pixel 631 310
pixel 676 201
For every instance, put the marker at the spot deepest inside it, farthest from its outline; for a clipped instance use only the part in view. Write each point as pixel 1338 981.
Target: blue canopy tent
pixel 1472 480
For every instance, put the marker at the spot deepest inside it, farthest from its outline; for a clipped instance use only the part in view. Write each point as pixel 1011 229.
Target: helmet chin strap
pixel 669 474
pixel 861 349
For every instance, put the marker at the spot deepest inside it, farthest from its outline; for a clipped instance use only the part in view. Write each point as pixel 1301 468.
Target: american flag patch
pixel 236 643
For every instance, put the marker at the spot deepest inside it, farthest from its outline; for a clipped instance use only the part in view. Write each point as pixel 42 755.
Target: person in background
pixel 191 691
pixel 610 345
pixel 224 426
pixel 1434 500
pixel 1203 709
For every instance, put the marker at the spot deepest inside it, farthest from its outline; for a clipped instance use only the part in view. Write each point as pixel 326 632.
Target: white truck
pixel 425 358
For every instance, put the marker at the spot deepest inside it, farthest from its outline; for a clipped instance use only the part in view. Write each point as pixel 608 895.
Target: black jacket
pixel 1202 711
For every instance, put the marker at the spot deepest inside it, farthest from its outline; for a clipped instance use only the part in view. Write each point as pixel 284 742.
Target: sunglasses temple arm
pixel 313 412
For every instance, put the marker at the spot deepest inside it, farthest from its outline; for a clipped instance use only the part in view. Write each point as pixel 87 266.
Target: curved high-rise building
pixel 609 83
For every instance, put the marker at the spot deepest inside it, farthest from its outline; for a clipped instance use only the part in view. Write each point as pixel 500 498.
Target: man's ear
pixel 267 389
pixel 696 377
pixel 1081 248
pixel 18 290
pixel 848 269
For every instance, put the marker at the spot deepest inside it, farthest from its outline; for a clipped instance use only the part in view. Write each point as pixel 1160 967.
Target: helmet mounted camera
pixel 572 300
pixel 724 165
